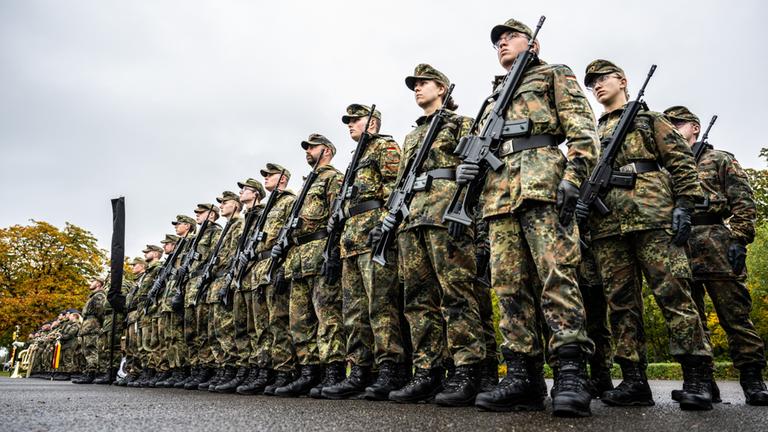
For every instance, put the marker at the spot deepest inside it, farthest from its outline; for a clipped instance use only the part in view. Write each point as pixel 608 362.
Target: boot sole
pixel 614 403
pixel 692 403
pixel 567 409
pixel 488 406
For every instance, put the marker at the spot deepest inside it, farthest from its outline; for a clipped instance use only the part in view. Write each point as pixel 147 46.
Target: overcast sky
pixel 169 103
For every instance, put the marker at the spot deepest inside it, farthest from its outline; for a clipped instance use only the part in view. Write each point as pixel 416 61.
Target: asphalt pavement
pixel 39 405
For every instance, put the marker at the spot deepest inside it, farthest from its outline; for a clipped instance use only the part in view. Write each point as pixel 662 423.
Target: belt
pixel 261 256
pixel 363 207
pixel 306 238
pixel 424 181
pixel 640 167
pixel 196 273
pixel 515 145
pixel 706 219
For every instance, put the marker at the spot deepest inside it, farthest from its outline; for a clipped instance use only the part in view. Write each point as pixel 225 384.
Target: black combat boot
pixel 751 379
pixel 570 394
pixel 184 377
pixel 281 379
pixel 85 378
pixel 522 389
pixel 461 388
pixel 333 375
pixel 159 377
pixel 230 373
pixel 698 384
pixel 229 386
pixel 213 380
pixel 163 383
pixel 266 377
pixel 253 375
pixel 102 378
pixel 678 394
pixel 61 376
pixel 309 377
pixel 600 380
pixel 489 374
pixel 143 376
pixel 178 375
pixel 203 374
pixel 424 385
pixel 389 379
pixel 352 386
pixel 633 389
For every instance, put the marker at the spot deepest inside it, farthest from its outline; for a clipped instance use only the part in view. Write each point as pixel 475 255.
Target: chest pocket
pixel 315 207
pixel 532 100
pixel 441 153
pixel 367 178
pixel 639 143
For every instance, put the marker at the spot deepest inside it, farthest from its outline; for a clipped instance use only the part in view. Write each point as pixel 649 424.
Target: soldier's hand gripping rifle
pixel 213 260
pixel 482 149
pixel 158 286
pixel 337 218
pixel 182 274
pixel 604 177
pixel 401 197
pixel 226 293
pixel 285 236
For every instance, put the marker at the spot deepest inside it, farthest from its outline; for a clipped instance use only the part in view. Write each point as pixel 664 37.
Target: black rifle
pixel 604 177
pixel 158 286
pixel 284 237
pixel 347 191
pixel 401 197
pixel 700 146
pixel 208 276
pixel 482 149
pixel 258 236
pixel 183 273
pixel 226 294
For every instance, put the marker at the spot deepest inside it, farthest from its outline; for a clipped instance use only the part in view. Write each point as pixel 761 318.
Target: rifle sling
pixel 424 180
pixel 515 145
pixel 706 219
pixel 306 238
pixel 640 167
pixel 363 207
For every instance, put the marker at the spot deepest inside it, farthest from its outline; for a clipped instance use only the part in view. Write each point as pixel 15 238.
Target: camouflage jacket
pixel 428 207
pixel 307 259
pixel 171 287
pixel 727 188
pixel 204 249
pixel 226 254
pixel 68 331
pixel 254 213
pixel 132 298
pixel 93 313
pixel 276 218
pixel 649 204
pixel 153 269
pixel 550 96
pixel 375 177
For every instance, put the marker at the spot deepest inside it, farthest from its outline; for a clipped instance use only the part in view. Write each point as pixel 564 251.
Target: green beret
pixel 426 72
pixel 228 196
pixel 681 114
pixel 184 219
pixel 316 139
pixel 600 67
pixel 152 248
pixel 204 207
pixel 356 111
pixel 510 25
pixel 253 184
pixel 170 238
pixel 273 168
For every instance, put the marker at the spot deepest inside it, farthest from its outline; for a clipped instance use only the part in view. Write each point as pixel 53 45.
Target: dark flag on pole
pixel 117 257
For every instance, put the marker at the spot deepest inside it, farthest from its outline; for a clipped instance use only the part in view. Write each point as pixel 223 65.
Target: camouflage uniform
pixel 439 272
pixel 93 317
pixel 242 305
pixel 533 257
pixel 132 334
pixel 69 330
pixel 636 235
pixel 370 292
pixel 160 324
pixel 316 320
pixel 729 194
pixel 593 293
pixel 147 332
pixel 107 338
pixel 175 349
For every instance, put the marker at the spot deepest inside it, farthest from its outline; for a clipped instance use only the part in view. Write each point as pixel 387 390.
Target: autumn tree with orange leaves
pixel 43 270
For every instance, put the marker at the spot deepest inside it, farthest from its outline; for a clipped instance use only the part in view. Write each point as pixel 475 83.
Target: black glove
pixel 456 230
pixel 374 235
pixel 181 273
pixel 277 251
pixel 331 225
pixel 482 259
pixel 332 267
pixel 222 295
pixel 466 172
pixel 581 212
pixel 243 258
pixel 567 197
pixel 177 304
pixel 281 283
pixel 389 222
pixel 737 256
pixel 681 225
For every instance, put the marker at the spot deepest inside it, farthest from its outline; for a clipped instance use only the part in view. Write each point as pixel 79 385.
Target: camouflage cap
pixel 228 196
pixel 600 67
pixel 426 72
pixel 204 207
pixel 138 260
pixel 356 111
pixel 273 168
pixel 511 25
pixel 317 139
pixel 184 219
pixel 170 238
pixel 253 184
pixel 681 114
pixel 152 248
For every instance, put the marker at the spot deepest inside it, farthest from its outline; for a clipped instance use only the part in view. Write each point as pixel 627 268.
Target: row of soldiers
pixel 282 297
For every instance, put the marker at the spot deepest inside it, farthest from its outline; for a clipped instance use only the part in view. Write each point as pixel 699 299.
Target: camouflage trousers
pixel 190 335
pixel 173 340
pixel 441 297
pixel 89 346
pixel 593 293
pixel 202 343
pixel 68 362
pixel 485 305
pixel 622 259
pixel 370 309
pixel 282 356
pixel 105 338
pixel 241 307
pixel 132 345
pixel 222 327
pixel 158 357
pixel 733 305
pixel 533 272
pixel 317 322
